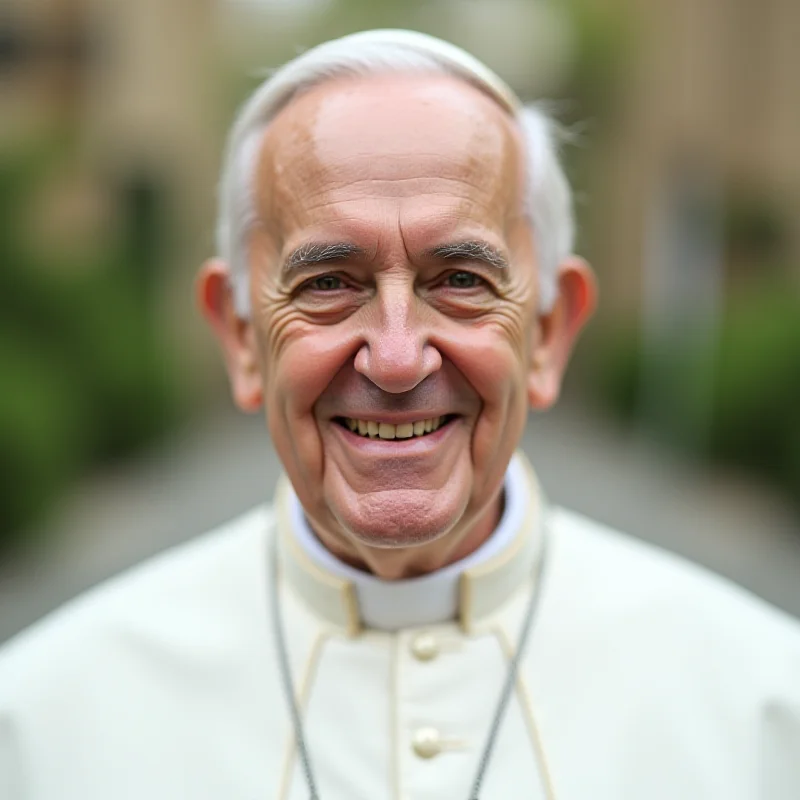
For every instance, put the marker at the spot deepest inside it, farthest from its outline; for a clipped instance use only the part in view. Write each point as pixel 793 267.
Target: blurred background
pixel 680 421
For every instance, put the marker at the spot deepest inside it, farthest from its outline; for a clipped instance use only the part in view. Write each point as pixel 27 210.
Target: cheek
pixel 305 362
pixel 492 356
pixel 298 366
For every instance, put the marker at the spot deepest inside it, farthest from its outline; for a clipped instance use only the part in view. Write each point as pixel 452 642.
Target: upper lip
pixel 395 418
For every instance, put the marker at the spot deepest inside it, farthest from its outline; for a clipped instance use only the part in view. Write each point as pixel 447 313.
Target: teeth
pixel 405 431
pixel 385 430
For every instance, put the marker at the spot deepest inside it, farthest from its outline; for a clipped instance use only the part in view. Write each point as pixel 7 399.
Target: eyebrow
pixel 313 253
pixel 470 250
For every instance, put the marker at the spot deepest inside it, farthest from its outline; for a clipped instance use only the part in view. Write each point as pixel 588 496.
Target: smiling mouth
pixel 371 429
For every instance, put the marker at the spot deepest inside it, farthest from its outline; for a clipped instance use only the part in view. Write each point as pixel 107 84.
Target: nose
pixel 396 354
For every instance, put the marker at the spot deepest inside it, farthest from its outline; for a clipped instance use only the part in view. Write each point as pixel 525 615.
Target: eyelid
pixel 306 282
pixel 477 271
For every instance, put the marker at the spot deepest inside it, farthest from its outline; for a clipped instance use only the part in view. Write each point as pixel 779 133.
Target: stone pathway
pixel 216 470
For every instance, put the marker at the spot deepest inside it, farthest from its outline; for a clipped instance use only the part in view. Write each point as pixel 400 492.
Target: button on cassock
pixel 427 742
pixel 424 647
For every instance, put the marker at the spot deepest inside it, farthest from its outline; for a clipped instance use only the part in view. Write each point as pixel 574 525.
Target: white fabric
pixel 391 605
pixel 645 678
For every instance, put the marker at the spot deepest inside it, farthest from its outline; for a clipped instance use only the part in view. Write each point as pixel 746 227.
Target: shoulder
pixel 183 592
pixel 662 596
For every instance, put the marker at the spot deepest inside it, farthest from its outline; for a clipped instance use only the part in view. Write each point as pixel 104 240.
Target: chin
pixel 401 518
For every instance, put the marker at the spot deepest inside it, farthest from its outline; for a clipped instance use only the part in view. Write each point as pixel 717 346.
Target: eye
pixel 327 283
pixel 463 280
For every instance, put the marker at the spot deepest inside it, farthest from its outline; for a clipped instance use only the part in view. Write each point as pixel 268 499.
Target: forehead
pixel 365 150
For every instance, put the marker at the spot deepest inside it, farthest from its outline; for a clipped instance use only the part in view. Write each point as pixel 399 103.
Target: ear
pixel 235 334
pixel 555 332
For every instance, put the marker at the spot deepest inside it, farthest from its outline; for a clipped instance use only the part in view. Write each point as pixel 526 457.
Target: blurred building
pixel 710 91
pixel 44 58
pixel 133 88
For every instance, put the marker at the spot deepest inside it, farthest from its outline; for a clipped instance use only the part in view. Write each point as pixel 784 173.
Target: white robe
pixel 645 678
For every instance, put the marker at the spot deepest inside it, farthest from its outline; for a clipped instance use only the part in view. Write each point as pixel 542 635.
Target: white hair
pixel 548 200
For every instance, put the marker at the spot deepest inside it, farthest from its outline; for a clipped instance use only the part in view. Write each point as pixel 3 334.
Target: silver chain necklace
pixel 502 703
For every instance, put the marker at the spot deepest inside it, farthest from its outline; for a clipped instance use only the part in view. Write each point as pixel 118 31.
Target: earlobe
pixel 235 335
pixel 543 388
pixel 555 333
pixel 544 371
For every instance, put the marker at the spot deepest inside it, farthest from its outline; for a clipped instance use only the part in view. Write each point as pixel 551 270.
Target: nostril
pixel 396 364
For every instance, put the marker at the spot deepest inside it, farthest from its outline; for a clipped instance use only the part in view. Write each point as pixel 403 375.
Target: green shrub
pixel 735 400
pixel 757 403
pixel 40 416
pixel 84 372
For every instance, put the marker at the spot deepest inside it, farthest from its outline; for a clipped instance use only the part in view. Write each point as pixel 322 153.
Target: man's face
pixel 393 283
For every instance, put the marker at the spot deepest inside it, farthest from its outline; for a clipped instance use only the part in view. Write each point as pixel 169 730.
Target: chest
pixel 394 717
pixel 409 716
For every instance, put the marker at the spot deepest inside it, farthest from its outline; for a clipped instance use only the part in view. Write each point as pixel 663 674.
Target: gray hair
pixel 548 199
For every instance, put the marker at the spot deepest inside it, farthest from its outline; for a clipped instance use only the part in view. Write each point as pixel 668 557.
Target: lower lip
pixel 397 447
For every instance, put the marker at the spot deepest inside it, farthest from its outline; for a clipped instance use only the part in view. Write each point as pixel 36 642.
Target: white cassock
pixel 644 678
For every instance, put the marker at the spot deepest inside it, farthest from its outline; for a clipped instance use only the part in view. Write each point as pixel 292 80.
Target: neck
pixel 411 562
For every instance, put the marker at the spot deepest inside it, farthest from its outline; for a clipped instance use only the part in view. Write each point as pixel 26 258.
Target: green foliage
pixel 40 450
pixel 755 226
pixel 603 52
pixel 84 378
pixel 752 415
pixel 758 417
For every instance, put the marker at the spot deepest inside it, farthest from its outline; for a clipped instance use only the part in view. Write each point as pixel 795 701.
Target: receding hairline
pixel 278 136
pixel 337 83
pixel 423 76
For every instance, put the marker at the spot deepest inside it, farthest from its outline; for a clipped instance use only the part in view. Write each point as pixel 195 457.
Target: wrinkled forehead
pixel 389 137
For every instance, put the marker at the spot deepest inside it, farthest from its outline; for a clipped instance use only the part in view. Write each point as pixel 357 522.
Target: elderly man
pixel 411 619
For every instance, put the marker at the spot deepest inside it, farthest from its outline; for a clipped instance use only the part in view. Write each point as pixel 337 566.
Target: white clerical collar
pixel 475 585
